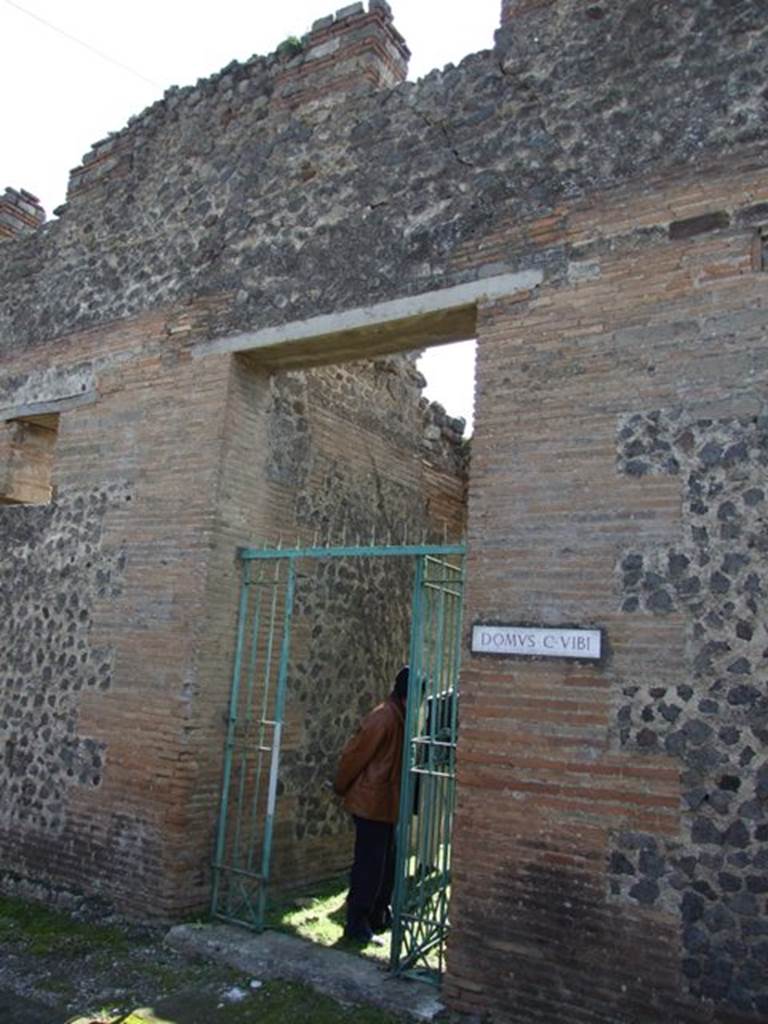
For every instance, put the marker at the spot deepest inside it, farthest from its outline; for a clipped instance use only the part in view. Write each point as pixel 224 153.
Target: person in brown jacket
pixel 368 779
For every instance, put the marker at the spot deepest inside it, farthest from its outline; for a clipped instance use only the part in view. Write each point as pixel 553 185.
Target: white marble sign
pixel 535 641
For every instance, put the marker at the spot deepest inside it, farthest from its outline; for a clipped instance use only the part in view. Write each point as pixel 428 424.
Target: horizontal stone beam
pixel 399 325
pixel 53 390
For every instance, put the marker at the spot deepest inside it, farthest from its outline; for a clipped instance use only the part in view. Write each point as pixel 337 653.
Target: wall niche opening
pixel 27 448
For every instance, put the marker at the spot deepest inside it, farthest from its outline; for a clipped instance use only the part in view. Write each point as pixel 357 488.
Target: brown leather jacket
pixel 368 776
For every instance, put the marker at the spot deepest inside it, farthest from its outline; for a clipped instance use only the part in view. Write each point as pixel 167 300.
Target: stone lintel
pixel 398 325
pixel 53 390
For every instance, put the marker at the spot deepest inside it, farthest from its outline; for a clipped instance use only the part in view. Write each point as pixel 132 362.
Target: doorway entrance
pixel 244 860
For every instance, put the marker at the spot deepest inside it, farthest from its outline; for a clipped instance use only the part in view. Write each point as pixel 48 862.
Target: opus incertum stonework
pixel 210 347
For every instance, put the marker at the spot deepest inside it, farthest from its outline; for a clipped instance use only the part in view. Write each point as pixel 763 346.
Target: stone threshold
pixel 345 977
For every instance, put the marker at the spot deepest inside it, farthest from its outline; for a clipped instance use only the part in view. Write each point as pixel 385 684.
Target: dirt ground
pixel 57 968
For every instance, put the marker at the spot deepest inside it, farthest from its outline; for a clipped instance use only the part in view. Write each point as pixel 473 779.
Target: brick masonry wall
pixel 610 834
pixel 343 53
pixel 20 214
pixel 612 825
pixel 102 591
pixel 265 195
pixel 120 599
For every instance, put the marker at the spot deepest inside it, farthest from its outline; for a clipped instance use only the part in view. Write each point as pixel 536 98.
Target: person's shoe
pixel 358 933
pixel 381 921
pixel 361 935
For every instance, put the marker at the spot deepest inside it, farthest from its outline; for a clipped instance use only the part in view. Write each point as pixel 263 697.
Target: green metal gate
pixel 425 824
pixel 249 793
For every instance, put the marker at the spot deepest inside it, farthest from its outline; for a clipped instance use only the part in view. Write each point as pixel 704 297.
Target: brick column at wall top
pixel 20 214
pixel 343 53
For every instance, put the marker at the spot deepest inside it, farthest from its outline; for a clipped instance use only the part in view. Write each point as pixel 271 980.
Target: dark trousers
pixel 373 873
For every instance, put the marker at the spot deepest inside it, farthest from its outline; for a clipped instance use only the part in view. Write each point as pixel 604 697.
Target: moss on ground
pixel 42 932
pixel 274 1003
pixel 99 974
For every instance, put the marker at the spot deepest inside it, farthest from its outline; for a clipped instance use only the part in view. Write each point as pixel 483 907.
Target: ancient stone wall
pixel 388 192
pixel 610 834
pixel 20 214
pixel 46 630
pixel 101 589
pixel 713 721
pixel 114 690
pixel 611 845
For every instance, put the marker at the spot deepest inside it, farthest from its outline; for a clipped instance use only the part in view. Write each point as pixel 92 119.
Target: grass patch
pixel 43 932
pixel 319 916
pixel 61 987
pixel 277 1002
pixel 283 1001
pixel 151 986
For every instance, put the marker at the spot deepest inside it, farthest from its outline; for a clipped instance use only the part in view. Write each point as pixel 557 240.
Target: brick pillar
pixel 20 214
pixel 109 158
pixel 511 9
pixel 344 52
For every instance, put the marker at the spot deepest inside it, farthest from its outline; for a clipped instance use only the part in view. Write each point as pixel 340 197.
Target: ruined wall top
pixel 310 181
pixel 344 53
pixel 20 213
pixel 513 8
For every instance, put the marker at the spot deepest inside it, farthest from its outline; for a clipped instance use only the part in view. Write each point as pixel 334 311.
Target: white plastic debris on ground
pixel 234 995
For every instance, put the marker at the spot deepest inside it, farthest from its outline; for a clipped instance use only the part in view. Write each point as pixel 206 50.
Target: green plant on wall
pixel 289 47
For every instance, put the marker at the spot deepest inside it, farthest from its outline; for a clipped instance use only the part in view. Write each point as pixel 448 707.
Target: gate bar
pixel 282 686
pixel 406 778
pixel 230 741
pixel 374 551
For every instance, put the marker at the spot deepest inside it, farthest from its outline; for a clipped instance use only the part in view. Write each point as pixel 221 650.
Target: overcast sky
pixel 59 96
